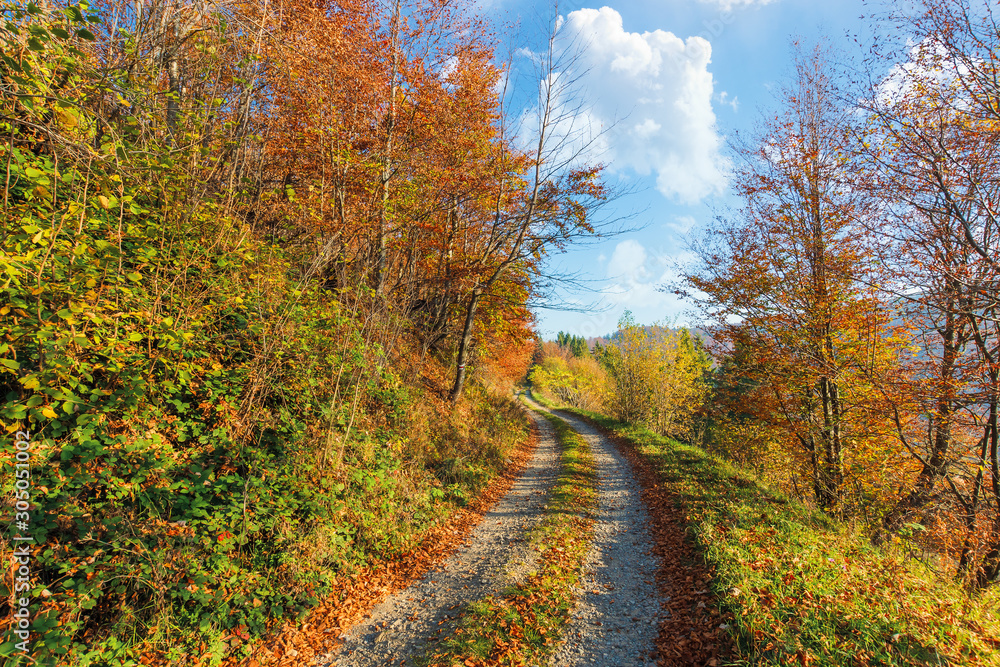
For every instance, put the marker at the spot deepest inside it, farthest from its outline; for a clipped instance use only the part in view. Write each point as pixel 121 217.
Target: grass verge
pixel 799 588
pixel 524 621
pixel 300 641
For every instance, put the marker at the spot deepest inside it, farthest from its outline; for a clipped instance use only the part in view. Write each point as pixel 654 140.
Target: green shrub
pixel 214 441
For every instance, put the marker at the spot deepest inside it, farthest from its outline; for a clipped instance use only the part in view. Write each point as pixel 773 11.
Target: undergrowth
pixel 524 621
pixel 214 437
pixel 803 589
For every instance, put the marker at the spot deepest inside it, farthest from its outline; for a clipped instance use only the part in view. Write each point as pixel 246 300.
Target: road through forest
pixel 616 616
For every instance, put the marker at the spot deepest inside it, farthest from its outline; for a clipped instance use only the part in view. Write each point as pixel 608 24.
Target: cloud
pixel 636 275
pixel 682 224
pixel 734 102
pixel 651 94
pixel 628 263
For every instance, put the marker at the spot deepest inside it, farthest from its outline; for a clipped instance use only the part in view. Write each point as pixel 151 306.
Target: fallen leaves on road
pixel 296 643
pixel 689 632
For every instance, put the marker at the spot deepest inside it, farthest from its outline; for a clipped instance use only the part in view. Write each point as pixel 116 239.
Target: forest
pixel 267 279
pixel 850 299
pixel 265 282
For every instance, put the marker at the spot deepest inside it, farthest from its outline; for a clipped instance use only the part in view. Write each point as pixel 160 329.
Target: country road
pixel 616 616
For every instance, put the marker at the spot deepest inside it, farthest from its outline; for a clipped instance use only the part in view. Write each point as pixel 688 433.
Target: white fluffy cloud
pixel 628 263
pixel 636 275
pixel 654 91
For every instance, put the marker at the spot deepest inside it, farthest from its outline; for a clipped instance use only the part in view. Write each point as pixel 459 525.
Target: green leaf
pixel 31 172
pixel 135 337
pixel 85 34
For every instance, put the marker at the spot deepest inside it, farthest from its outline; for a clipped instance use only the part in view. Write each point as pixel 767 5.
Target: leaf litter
pixel 311 641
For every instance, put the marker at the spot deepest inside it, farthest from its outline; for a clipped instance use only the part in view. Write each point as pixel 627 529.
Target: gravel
pixel 616 619
pixel 617 616
pixel 495 555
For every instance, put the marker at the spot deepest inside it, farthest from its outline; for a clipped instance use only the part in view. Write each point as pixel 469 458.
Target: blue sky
pixel 679 77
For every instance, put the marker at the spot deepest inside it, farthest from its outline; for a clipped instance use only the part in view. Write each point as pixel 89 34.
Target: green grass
pixel 524 622
pixel 803 589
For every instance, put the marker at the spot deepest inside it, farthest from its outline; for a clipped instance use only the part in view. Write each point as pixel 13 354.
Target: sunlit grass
pixel 524 621
pixel 802 589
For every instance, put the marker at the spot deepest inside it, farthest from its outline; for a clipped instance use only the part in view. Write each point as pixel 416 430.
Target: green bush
pixel 213 439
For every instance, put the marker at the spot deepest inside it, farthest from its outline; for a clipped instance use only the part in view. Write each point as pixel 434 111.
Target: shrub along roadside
pixel 353 597
pixel 217 434
pixel 800 588
pixel 524 621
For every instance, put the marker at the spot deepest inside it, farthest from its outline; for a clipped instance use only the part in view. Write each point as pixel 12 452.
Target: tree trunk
pixel 832 460
pixel 464 344
pixel 936 467
pixel 381 259
pixel 174 95
pixel 971 504
pixel 989 570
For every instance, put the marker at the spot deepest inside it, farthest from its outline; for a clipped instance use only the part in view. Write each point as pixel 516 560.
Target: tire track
pixel 617 616
pixel 495 555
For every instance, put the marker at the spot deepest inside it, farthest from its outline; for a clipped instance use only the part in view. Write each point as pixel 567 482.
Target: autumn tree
pixel 549 197
pixel 390 159
pixel 783 280
pixel 656 376
pixel 935 165
pixel 579 381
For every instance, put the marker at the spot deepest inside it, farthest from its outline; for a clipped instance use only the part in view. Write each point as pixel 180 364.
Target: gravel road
pixel 617 616
pixel 495 555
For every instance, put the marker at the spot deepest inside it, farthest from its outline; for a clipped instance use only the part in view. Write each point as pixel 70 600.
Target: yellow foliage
pixel 657 377
pixel 576 381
